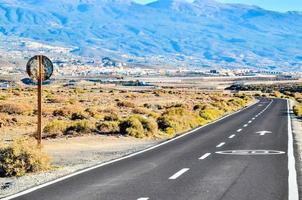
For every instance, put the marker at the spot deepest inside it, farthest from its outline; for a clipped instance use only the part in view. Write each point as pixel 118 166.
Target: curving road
pixel 246 156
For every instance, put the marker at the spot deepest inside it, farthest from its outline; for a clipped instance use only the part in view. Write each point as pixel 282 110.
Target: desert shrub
pixel 3 97
pixel 21 157
pixel 147 105
pixel 111 117
pixel 6 120
pixel 139 126
pixel 179 119
pixel 237 102
pixel 55 129
pixel 16 108
pixel 79 91
pixel 79 127
pixel 108 127
pixel 79 116
pixel 298 110
pixel 67 111
pixel 53 99
pixel 142 111
pixel 110 110
pixel 154 115
pixel 126 104
pixel 210 113
pixel 199 106
pixel 277 94
pixel 94 112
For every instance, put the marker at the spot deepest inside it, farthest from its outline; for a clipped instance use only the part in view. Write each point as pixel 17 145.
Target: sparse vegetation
pixel 15 108
pixel 126 104
pixel 55 128
pixel 139 126
pixel 178 119
pixel 151 113
pixel 298 110
pixel 108 127
pixel 22 156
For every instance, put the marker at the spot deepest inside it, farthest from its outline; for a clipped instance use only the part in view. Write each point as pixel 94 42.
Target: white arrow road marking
pixel 220 145
pixel 262 133
pixel 204 156
pixel 179 173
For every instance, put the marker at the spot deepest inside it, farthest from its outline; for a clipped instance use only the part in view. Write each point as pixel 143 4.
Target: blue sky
pixel 278 5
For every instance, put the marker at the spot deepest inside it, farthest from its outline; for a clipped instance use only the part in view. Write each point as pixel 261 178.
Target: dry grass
pixel 16 108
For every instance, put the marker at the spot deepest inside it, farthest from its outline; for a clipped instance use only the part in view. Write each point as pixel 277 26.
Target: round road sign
pixel 32 68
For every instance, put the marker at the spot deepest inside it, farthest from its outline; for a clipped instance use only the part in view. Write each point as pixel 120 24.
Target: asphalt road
pixel 208 164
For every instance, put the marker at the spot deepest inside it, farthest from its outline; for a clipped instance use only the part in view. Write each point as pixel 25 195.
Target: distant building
pixel 4 84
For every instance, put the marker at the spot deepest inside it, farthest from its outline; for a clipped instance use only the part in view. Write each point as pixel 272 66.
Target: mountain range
pixel 203 33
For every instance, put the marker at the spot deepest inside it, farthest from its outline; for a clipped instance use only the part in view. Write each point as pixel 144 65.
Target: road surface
pixel 241 157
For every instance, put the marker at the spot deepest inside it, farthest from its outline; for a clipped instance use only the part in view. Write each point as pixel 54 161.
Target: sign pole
pixel 39 68
pixel 39 129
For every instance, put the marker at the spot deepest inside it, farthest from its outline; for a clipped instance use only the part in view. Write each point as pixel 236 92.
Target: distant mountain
pixel 204 33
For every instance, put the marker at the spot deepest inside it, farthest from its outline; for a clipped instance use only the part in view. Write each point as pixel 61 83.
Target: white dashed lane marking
pixel 245 125
pixel 143 198
pixel 220 145
pixel 204 156
pixel 232 136
pixel 179 173
pixel 239 130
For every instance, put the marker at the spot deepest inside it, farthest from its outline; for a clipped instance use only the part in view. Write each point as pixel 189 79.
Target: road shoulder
pixel 297 130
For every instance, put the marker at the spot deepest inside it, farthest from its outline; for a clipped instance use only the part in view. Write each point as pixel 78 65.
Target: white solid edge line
pixel 293 193
pixel 204 156
pixel 143 198
pixel 232 136
pixel 220 145
pixel 179 173
pixel 118 159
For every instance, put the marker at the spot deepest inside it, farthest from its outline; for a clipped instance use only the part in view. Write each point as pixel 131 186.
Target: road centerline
pixel 220 145
pixel 232 136
pixel 204 156
pixel 179 173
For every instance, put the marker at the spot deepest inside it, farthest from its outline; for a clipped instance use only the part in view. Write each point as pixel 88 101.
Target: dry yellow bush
pixel 21 157
pixel 68 110
pixel 16 108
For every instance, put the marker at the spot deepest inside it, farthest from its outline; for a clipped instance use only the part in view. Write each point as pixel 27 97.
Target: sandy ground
pixel 297 130
pixel 72 154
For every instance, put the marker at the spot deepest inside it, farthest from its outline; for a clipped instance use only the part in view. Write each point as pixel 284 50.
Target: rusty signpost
pixel 39 68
